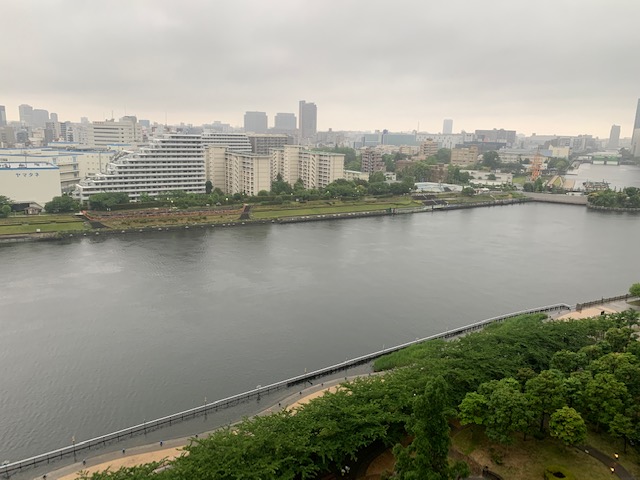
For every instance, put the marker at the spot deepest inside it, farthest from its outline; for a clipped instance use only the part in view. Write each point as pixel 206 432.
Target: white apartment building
pixel 103 134
pixel 237 172
pixel 24 181
pixel 235 142
pixel 315 169
pixel 171 162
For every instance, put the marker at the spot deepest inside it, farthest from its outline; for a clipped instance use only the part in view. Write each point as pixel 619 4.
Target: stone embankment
pixel 557 198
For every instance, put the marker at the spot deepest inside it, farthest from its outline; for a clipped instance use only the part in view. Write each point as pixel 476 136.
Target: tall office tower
pixel 285 121
pixel 447 126
pixel 614 137
pixel 635 139
pixel 26 114
pixel 255 122
pixel 54 117
pixel 3 116
pixel 39 117
pixel 308 118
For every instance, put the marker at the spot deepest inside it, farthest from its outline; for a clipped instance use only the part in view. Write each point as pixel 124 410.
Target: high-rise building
pixel 26 114
pixel 237 172
pixel 172 162
pixel 235 142
pixel 315 169
pixel 263 143
pixel 103 134
pixel 53 117
pixel 614 137
pixel 39 117
pixel 372 161
pixel 285 121
pixel 308 118
pixel 635 139
pixel 447 126
pixel 3 116
pixel 255 122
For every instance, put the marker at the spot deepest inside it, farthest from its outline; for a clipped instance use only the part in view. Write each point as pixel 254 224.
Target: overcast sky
pixel 544 66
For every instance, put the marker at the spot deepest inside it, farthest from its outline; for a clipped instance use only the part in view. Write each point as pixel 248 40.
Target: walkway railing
pixel 74 449
pixel 580 306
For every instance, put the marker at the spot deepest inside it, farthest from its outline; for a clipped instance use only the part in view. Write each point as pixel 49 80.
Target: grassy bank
pixel 145 218
pixel 44 223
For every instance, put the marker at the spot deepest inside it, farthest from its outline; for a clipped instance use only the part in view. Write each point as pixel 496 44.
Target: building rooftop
pixel 27 166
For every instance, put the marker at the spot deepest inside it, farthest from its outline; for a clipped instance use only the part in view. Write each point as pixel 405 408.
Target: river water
pixel 102 333
pixel 618 176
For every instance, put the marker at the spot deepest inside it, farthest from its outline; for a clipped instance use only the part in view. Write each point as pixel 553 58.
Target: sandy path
pixel 171 449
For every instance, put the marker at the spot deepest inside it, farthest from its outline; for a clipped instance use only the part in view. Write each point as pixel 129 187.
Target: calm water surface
pixel 618 176
pixel 99 334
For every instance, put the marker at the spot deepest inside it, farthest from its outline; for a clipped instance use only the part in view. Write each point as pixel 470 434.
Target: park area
pixel 43 223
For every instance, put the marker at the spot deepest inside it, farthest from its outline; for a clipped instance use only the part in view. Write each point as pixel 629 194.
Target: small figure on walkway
pixel 84 461
pixel 123 451
pixel 161 442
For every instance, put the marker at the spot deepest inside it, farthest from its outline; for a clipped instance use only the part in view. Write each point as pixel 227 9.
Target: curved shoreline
pixel 171 449
pixel 57 236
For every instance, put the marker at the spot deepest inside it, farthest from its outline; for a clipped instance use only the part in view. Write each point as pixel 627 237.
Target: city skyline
pixel 441 62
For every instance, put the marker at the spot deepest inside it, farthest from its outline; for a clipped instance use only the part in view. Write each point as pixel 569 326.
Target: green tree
pixel 5 206
pixel 491 160
pixel 208 187
pixel 635 289
pixel 622 427
pixel 469 191
pixel 104 201
pixel 426 458
pixel 604 397
pixel 547 393
pixel 63 204
pixel 376 177
pixel 298 186
pixel 280 187
pixel 443 155
pixel 567 425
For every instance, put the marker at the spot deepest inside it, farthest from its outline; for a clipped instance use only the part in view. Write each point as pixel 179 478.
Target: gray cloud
pixel 563 66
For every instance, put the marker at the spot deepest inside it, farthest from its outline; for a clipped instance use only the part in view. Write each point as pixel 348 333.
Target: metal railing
pixel 580 306
pixel 74 449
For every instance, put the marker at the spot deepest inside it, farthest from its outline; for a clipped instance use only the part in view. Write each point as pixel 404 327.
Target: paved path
pixel 610 462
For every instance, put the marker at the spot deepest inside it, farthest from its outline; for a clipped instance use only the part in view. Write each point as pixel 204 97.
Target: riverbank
pixel 101 227
pixel 168 450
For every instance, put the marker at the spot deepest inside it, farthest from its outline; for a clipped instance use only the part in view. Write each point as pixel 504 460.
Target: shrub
pixel 554 472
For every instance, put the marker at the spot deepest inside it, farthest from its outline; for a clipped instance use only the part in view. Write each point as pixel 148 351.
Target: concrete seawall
pixel 557 198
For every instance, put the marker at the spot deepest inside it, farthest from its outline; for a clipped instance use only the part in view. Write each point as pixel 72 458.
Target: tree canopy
pixel 63 204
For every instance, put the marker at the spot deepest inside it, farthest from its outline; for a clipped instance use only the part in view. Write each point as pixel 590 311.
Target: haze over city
pixel 548 67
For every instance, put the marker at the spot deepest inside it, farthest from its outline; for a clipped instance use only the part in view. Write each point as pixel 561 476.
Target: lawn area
pixel 520 179
pixel 261 213
pixel 46 223
pixel 527 460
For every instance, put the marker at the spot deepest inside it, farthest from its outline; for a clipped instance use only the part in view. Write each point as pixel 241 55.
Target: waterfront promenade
pixel 172 448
